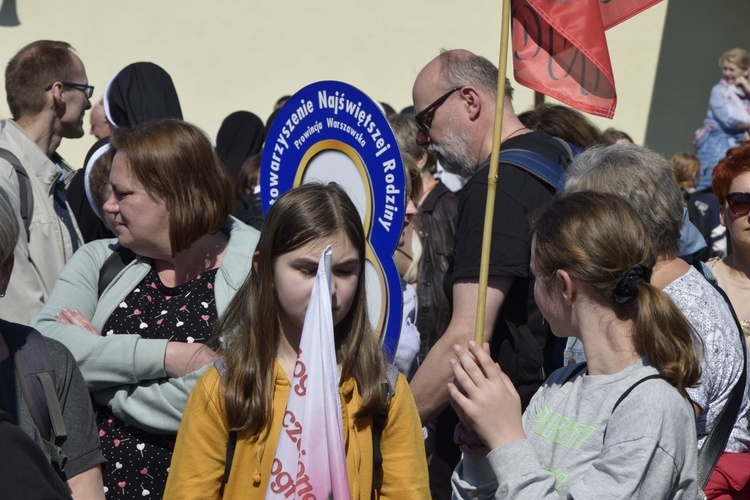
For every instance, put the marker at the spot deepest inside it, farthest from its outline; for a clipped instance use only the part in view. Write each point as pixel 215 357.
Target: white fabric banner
pixel 310 462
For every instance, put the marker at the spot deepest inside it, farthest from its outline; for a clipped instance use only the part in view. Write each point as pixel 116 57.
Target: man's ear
pixel 568 284
pixel 58 99
pixel 472 101
pixel 57 93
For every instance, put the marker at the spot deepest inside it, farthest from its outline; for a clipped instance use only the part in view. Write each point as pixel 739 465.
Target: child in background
pixel 702 206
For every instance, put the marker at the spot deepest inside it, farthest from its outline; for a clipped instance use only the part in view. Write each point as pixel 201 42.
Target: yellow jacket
pixel 200 452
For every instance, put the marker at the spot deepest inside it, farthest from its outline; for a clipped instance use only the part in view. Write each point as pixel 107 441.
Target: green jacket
pixel 126 372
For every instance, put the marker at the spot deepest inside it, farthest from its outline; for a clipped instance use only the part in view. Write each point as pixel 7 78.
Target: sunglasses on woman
pixel 739 203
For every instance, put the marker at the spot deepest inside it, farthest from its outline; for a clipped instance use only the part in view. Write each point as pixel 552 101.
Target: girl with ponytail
pixel 619 425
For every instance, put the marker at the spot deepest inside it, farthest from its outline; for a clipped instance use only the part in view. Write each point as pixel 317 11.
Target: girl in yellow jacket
pixel 260 339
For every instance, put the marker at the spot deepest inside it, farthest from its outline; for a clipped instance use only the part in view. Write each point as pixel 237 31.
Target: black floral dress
pixel 138 461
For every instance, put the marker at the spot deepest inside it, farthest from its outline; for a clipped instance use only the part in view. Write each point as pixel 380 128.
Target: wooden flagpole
pixel 489 212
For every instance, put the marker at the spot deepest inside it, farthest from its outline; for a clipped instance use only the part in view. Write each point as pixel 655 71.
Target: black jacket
pixel 437 225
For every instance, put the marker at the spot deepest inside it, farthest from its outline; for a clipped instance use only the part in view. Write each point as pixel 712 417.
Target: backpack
pixel 26 470
pixel 378 423
pixel 25 194
pixel 552 174
pixel 115 263
pixel 540 166
pixel 36 372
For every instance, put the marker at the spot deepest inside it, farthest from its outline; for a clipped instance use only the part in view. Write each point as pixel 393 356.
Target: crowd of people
pixel 151 314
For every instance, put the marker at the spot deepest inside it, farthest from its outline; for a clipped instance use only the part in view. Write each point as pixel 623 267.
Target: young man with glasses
pixel 454 100
pixel 48 94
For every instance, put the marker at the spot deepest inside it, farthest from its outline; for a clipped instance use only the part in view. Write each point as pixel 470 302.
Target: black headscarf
pixel 140 92
pixel 240 136
pixel 80 201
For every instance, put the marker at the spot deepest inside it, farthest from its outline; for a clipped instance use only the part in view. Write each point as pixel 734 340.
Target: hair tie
pixel 625 286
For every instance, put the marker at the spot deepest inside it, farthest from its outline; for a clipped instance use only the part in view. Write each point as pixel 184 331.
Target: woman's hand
pixel 182 358
pixel 743 83
pixel 484 397
pixel 76 318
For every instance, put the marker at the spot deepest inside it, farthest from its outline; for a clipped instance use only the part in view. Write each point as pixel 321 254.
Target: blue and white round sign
pixel 331 131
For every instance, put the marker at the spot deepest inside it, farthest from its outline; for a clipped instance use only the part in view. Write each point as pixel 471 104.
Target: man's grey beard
pixel 454 154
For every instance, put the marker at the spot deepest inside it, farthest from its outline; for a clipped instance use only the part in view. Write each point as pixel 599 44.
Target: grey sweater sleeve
pixel 477 476
pixel 634 469
pixel 649 450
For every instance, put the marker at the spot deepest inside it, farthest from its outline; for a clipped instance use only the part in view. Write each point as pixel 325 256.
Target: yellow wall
pixel 225 56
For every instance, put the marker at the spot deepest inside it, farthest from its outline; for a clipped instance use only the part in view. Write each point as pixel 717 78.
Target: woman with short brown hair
pixel 135 312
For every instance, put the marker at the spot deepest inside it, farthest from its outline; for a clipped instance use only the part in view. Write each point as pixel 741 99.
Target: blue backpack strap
pixel 575 371
pixel 571 149
pixel 35 371
pixel 541 167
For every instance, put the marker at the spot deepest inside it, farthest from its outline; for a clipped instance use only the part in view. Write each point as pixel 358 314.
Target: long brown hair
pixel 564 122
pixel 250 327
pixel 596 237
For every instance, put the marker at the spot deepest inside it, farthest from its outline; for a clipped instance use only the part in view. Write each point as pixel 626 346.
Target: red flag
pixel 559 49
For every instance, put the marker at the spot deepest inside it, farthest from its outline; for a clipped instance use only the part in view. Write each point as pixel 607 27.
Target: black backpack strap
pixel 717 439
pixel 221 367
pixel 378 424
pixel 630 389
pixel 625 394
pixel 533 346
pixel 115 263
pixel 35 371
pixel 25 195
pixel 231 446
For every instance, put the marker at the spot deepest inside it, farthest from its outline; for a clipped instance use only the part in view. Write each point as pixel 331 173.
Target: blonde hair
pixel 737 56
pixel 685 167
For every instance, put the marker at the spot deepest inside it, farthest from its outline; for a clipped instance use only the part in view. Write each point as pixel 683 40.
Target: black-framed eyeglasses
pixel 739 203
pixel 424 118
pixel 88 90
